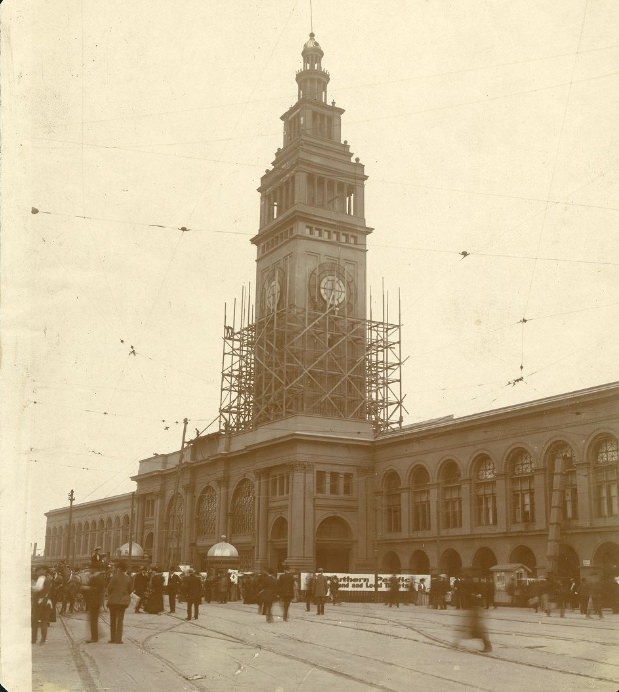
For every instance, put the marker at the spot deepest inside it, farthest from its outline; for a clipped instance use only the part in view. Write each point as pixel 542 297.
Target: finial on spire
pixel 311 18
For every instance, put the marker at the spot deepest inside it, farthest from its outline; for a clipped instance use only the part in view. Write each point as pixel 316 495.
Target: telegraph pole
pixel 71 499
pixel 131 533
pixel 177 553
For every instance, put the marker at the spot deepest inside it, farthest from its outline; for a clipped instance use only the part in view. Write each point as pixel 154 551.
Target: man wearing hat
pixel 193 591
pixel 96 559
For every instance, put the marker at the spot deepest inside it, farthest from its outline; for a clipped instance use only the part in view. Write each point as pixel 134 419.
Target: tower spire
pixel 311 18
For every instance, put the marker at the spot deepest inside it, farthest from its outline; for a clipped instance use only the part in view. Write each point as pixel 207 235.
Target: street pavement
pixel 353 647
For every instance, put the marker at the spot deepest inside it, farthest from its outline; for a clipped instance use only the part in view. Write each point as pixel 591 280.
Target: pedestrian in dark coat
pixel 285 590
pixel 93 594
pixel 154 602
pixel 41 603
pixel 269 594
pixel 475 628
pixel 394 591
pixel 320 591
pixel 193 594
pixel 174 583
pixel 140 585
pixel 309 592
pixel 118 598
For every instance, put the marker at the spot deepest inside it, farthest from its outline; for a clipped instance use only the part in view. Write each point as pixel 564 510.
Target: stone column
pixel 261 522
pixel 188 537
pixel 365 523
pixel 222 507
pixel 301 518
pixel 159 528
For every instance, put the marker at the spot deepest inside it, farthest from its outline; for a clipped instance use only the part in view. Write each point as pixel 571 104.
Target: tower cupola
pixel 312 79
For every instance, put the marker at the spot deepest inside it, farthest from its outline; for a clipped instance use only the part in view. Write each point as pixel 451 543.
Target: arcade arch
pixel 333 545
pixel 525 556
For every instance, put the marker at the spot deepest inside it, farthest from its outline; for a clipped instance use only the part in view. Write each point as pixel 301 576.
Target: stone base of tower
pixel 300 564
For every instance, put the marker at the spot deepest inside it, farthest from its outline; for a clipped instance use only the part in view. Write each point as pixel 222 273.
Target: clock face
pixel 333 290
pixel 271 296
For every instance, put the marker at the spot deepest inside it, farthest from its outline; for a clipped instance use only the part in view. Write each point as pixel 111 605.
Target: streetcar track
pixel 445 644
pixel 206 631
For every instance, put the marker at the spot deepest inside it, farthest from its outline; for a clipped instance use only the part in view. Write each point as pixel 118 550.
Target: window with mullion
pixel 452 507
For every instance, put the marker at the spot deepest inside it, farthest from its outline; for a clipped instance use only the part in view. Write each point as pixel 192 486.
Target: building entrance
pixel 333 545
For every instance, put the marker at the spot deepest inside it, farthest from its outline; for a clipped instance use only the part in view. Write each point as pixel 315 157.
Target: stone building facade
pixel 311 469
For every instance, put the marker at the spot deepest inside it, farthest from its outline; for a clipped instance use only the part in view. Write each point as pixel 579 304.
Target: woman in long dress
pixel 154 603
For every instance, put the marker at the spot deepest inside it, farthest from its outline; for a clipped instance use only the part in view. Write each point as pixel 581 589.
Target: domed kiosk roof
pixel 223 549
pixel 136 550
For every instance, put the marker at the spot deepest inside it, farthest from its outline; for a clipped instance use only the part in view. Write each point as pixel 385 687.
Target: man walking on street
pixel 320 591
pixel 285 589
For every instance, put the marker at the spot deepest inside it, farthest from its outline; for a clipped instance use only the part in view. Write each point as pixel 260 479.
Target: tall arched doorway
pixel 420 562
pixel 450 563
pixel 483 560
pixel 333 544
pixel 525 556
pixel 568 566
pixel 606 559
pixel 391 563
pixel 279 544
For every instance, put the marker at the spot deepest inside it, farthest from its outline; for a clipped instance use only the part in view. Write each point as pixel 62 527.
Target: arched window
pixel 561 457
pixel 421 500
pixel 125 530
pixel 393 511
pixel 85 539
pixel 606 465
pixel 522 487
pixel 175 528
pixel 243 504
pixel 485 491
pixel 451 496
pixel 207 512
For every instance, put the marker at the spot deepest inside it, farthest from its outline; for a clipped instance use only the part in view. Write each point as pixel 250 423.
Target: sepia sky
pixel 487 128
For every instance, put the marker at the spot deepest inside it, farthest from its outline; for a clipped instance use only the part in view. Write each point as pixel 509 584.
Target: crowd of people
pixel 104 586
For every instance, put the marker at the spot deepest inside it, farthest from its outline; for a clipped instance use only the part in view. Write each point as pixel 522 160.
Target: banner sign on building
pixel 366 582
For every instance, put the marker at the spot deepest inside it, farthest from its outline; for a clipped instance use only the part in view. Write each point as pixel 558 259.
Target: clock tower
pixel 310 330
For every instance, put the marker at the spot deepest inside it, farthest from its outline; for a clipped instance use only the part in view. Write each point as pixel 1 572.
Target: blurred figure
pixel 394 591
pixel 269 594
pixel 334 587
pixel 475 627
pixel 222 587
pixel 544 595
pixel 40 603
pixel 320 591
pixel 174 583
pixel 412 592
pixel 594 606
pixel 285 590
pixel 309 592
pixel 490 591
pixel 583 596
